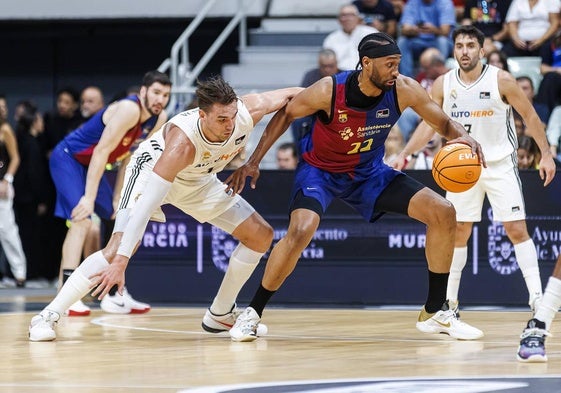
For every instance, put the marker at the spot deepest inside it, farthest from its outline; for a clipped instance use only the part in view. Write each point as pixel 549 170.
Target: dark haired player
pixel 342 158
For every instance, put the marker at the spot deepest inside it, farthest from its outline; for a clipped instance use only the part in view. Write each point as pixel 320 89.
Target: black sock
pixel 65 274
pixel 438 283
pixel 260 299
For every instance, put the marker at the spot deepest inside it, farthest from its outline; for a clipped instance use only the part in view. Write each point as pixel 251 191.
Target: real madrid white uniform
pixel 488 119
pixel 196 190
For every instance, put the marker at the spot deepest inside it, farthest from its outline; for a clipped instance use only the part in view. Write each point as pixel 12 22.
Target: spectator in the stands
pixel 498 59
pixel 91 101
pixel 63 119
pixel 432 64
pixel 527 87
pixel 531 23
pixel 425 24
pixel 378 14
pixel 528 153
pixel 490 18
pixel 327 66
pixel 554 131
pixel 549 91
pixel 398 8
pixel 287 156
pixel 345 40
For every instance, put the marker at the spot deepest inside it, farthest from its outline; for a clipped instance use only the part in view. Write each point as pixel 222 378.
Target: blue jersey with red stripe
pixel 352 140
pixel 81 142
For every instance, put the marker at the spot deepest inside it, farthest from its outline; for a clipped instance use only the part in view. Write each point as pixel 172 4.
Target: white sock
pixel 243 262
pixel 459 260
pixel 550 303
pixel 78 284
pixel 527 259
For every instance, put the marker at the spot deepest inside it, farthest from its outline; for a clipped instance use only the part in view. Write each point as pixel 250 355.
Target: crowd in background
pixel 514 28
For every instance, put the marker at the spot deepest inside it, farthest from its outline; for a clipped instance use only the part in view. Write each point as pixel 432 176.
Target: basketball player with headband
pixel 342 157
pixel 482 97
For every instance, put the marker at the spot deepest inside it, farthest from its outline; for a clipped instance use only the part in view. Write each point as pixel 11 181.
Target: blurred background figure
pixel 30 183
pixel 528 153
pixel 9 232
pixel 378 14
pixel 91 101
pixel 425 24
pixel 327 66
pixel 531 23
pixel 490 18
pixel 527 87
pixel 287 156
pixel 549 91
pixel 497 59
pixel 344 41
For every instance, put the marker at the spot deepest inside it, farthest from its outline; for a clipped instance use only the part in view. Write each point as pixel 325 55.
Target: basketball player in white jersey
pixel 178 165
pixel 482 97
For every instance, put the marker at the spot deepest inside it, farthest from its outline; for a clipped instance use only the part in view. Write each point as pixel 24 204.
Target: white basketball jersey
pixel 210 157
pixel 480 109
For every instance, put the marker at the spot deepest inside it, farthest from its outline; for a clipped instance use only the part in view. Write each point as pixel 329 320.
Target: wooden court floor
pixel 319 350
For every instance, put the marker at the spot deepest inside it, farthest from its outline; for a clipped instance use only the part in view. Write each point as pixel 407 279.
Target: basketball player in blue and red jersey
pixel 342 157
pixel 77 167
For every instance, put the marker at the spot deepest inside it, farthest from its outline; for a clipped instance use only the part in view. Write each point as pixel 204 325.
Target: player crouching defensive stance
pixel 178 165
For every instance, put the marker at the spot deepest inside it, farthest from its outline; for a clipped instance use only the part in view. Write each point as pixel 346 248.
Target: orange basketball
pixel 455 168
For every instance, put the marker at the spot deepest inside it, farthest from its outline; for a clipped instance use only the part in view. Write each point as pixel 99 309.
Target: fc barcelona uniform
pixel 71 157
pixel 342 156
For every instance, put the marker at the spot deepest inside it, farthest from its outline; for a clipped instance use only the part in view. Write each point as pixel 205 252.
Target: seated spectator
pixel 327 66
pixel 398 8
pixel 549 91
pixel 345 40
pixel 553 131
pixel 425 24
pixel 432 64
pixel 528 153
pixel 527 87
pixel 490 18
pixel 497 59
pixel 378 14
pixel 518 124
pixel 287 156
pixel 531 23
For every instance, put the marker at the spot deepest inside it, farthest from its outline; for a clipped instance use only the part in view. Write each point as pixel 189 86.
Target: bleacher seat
pixel 526 66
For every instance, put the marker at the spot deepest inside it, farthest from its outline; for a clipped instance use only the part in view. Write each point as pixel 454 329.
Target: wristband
pixel 9 178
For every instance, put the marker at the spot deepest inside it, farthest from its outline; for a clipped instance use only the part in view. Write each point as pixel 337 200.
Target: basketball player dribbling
pixel 482 98
pixel 342 157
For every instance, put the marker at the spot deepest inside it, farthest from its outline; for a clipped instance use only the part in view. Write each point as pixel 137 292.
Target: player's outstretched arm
pixel 306 102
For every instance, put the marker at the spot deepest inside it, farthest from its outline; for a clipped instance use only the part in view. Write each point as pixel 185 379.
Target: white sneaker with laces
pixel 123 304
pixel 245 328
pixel 446 321
pixel 78 309
pixel 221 323
pixel 42 326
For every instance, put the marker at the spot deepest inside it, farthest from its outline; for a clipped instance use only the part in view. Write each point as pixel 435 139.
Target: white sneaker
pixel 123 304
pixel 78 309
pixel 245 328
pixel 446 321
pixel 42 326
pixel 221 323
